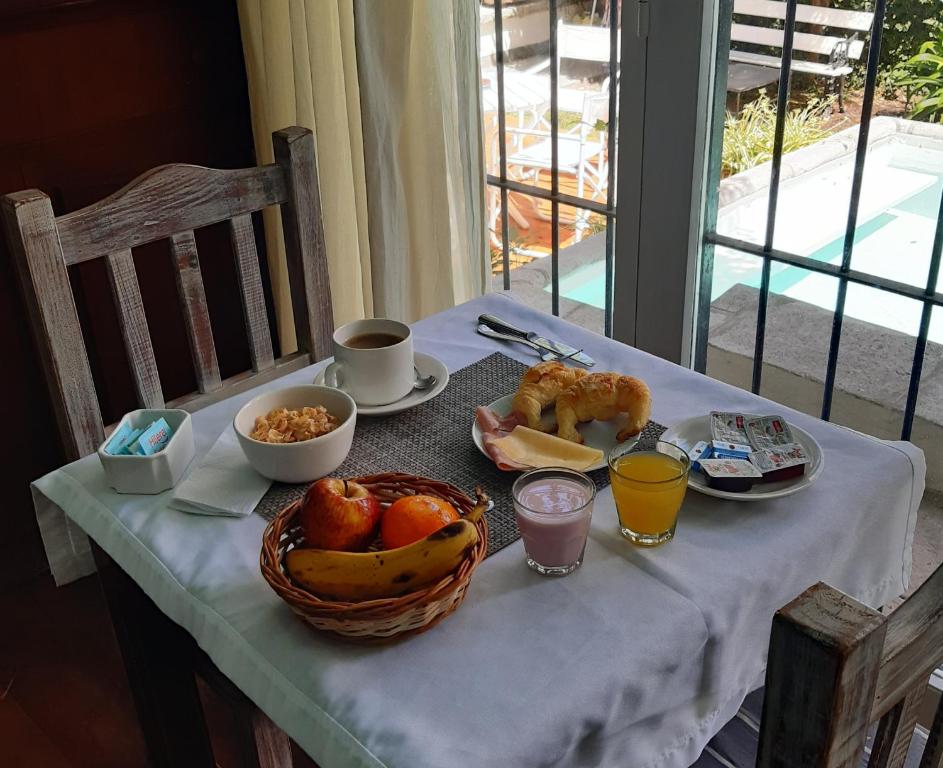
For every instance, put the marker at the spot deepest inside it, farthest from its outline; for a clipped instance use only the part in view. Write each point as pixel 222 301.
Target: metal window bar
pixel 921 346
pixel 502 143
pixel 554 164
pixel 554 196
pixel 611 158
pixel 782 106
pixel 867 104
pixel 714 167
pixel 929 296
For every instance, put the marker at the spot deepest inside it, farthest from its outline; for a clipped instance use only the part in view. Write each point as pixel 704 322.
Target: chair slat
pixel 196 314
pixel 914 645
pixel 31 231
pixel 241 382
pixel 166 200
pixel 134 331
pixel 895 731
pixel 304 242
pixel 933 753
pixel 253 298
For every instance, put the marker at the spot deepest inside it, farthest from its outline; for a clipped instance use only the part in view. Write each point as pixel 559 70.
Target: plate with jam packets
pixel 746 457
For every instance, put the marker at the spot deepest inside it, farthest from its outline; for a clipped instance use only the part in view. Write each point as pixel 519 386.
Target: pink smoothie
pixel 554 534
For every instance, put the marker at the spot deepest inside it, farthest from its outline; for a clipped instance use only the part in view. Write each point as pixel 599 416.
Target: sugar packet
pixel 152 439
pixel 124 447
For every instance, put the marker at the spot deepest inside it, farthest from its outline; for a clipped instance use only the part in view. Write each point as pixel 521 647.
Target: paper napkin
pixel 224 483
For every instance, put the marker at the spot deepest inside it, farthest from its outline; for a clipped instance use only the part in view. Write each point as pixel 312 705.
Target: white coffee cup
pixel 372 375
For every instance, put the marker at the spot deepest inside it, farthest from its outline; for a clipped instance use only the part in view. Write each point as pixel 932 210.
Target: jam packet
pixel 735 475
pixel 701 450
pixel 768 432
pixel 730 427
pixel 780 463
pixel 722 450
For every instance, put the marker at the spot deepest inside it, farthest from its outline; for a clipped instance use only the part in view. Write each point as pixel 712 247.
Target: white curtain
pixel 391 90
pixel 420 97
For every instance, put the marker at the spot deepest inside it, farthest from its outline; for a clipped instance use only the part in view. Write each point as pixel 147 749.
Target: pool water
pixel 900 201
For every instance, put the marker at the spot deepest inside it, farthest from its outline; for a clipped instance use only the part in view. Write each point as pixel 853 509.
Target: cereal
pixel 281 425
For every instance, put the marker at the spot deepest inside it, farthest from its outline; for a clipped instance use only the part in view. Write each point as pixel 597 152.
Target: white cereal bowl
pixel 310 459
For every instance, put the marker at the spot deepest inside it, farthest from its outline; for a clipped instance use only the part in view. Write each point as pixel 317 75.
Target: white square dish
pixel 160 471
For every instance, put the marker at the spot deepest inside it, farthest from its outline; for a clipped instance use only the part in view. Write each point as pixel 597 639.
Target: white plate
pixel 428 366
pixel 596 434
pixel 689 432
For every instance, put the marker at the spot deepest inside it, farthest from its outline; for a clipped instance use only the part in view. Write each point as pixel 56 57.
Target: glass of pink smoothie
pixel 554 507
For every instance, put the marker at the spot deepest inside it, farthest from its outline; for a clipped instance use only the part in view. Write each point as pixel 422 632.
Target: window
pixel 550 74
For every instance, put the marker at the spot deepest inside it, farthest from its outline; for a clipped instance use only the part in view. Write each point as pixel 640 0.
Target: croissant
pixel 603 396
pixel 540 387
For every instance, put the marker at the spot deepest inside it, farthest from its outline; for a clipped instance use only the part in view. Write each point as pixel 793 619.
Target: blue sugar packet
pixel 119 438
pixel 152 439
pixel 124 448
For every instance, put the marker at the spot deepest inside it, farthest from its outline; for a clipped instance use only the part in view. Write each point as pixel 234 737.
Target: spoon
pixel 423 382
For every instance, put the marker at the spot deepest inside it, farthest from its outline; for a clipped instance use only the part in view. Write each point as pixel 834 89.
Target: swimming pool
pixel 900 201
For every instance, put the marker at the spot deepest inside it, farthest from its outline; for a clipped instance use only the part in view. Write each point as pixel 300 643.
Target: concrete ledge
pixel 874 365
pixel 528 282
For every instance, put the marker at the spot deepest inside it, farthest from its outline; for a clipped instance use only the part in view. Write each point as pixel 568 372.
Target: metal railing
pixel 554 196
pixel 844 272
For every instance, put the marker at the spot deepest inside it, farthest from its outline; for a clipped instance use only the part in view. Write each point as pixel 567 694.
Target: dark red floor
pixel 64 698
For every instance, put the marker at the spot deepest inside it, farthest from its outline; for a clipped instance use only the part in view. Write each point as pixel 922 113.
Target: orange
pixel 412 518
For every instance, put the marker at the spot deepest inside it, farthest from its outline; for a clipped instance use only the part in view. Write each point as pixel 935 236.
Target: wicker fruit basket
pixel 374 621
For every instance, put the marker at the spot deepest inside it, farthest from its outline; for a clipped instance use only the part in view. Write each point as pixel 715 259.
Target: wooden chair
pixel 835 668
pixel 169 202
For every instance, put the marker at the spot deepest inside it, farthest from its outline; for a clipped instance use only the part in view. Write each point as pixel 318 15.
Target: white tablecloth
pixel 634 660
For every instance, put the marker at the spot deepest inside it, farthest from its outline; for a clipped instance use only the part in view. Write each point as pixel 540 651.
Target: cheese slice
pixel 538 449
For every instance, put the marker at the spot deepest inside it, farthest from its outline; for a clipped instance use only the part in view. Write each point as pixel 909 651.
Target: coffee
pixel 373 361
pixel 372 340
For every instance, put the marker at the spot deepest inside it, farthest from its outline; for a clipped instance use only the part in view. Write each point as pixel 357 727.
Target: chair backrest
pixel 170 202
pixel 850 23
pixel 836 666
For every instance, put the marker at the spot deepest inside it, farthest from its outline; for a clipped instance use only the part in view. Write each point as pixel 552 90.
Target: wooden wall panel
pixel 94 93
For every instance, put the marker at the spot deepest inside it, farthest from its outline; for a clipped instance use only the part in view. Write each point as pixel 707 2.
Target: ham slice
pixel 494 427
pixel 489 422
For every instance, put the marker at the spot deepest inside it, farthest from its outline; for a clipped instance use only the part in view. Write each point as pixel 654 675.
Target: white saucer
pixel 428 366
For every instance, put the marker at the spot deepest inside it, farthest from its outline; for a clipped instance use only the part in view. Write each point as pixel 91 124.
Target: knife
pixel 559 349
pixel 485 330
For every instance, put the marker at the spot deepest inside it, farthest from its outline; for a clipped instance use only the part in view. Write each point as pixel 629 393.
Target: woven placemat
pixel 434 440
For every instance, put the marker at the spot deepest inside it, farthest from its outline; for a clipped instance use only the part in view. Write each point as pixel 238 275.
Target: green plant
pixel 906 24
pixel 748 136
pixel 923 75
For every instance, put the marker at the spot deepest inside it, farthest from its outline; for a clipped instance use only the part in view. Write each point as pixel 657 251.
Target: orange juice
pixel 648 488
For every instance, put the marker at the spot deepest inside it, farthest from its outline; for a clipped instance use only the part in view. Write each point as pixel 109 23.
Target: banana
pixel 355 576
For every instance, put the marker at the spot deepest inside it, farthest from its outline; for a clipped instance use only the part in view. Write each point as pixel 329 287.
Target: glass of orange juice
pixel 649 487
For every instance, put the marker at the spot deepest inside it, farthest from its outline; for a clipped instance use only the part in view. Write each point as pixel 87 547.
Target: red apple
pixel 339 514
